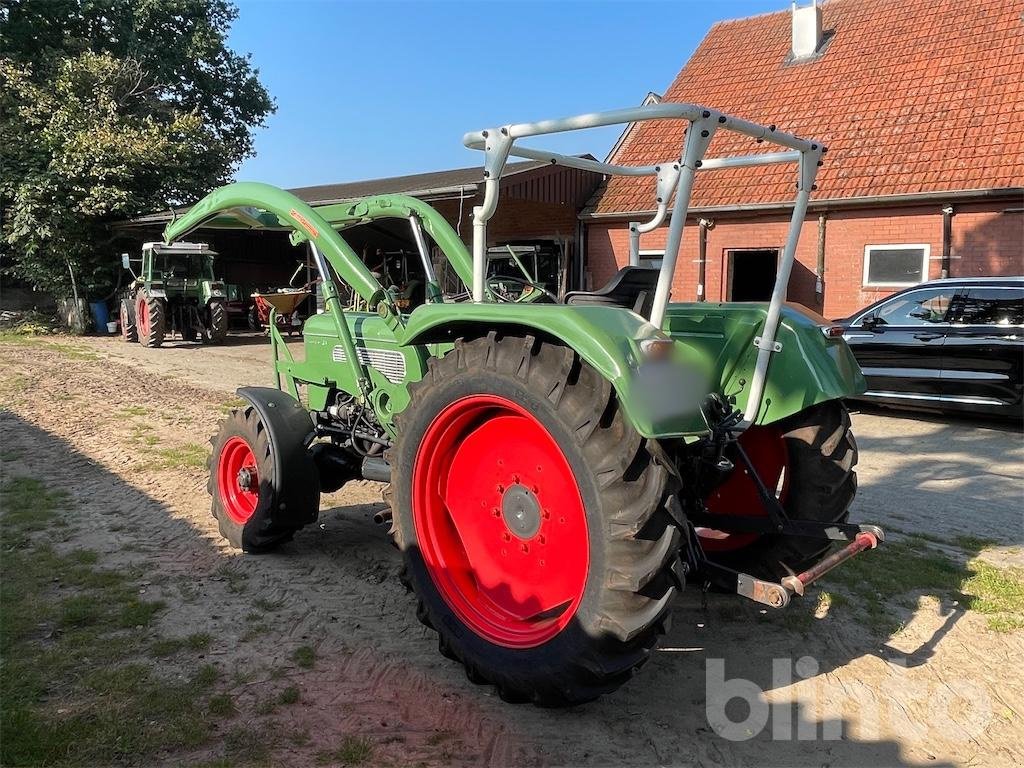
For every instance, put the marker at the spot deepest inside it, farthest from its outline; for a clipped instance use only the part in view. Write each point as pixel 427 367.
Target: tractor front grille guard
pixel 676 175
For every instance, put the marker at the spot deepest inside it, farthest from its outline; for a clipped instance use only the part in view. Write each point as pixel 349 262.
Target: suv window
pixel 991 306
pixel 926 307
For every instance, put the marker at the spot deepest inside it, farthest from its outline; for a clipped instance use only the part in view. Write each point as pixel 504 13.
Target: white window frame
pixel 651 253
pixel 925 249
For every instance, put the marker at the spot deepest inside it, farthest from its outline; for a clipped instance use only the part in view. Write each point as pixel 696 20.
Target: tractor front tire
pixel 532 521
pixel 217 329
pixel 151 320
pixel 256 510
pixel 128 329
pixel 808 459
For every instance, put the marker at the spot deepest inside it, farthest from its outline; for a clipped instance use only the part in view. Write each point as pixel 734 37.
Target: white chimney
pixel 806 30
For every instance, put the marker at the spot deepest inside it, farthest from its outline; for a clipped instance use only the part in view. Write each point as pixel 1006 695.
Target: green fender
pixel 713 344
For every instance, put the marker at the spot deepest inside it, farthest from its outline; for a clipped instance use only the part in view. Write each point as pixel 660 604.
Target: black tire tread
pixel 640 536
pixel 155 308
pixel 822 486
pixel 218 330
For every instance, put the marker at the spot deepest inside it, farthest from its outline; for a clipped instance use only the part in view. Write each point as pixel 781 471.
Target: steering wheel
pixel 509 289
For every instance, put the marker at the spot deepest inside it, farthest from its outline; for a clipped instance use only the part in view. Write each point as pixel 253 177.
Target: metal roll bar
pixel 675 175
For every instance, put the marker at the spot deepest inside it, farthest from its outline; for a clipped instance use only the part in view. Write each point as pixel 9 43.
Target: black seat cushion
pixel 630 287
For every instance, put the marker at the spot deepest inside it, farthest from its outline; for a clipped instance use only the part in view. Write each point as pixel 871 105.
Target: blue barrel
pixel 100 315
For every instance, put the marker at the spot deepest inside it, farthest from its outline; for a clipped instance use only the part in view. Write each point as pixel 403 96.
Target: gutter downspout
pixel 947 238
pixel 819 283
pixel 702 256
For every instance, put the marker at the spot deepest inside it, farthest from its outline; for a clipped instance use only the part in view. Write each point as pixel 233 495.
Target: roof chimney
pixel 806 30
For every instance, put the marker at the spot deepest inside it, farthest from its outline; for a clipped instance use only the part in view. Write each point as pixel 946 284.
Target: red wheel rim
pixel 500 521
pixel 238 480
pixel 142 314
pixel 124 321
pixel 766 449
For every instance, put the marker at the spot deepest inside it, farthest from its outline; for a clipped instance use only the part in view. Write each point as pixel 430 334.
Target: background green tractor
pixel 558 471
pixel 174 292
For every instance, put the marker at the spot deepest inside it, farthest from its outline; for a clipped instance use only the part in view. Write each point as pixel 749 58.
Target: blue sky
pixel 372 89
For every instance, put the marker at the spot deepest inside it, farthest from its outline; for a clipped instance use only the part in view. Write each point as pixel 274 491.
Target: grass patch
pixel 353 750
pixel 169 646
pixel 207 676
pixel 254 631
pixel 875 580
pixel 268 606
pixel 246 745
pixel 222 705
pixel 236 582
pixel 304 656
pixel 28 505
pixel 234 403
pixel 289 695
pixel 188 456
pixel 43 342
pixel 74 689
pixel 133 410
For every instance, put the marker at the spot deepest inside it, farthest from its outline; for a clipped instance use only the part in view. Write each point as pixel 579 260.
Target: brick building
pixel 920 103
pixel 540 204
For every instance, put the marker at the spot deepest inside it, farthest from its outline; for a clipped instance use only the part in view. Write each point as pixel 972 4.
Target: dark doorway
pixel 752 274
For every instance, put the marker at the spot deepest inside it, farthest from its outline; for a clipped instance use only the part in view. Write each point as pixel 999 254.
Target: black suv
pixel 955 344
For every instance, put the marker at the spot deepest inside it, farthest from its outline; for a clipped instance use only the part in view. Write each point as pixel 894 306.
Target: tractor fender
pixel 290 432
pixel 714 351
pixel 607 338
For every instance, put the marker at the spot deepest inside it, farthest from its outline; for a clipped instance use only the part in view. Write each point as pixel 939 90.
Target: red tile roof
pixel 910 96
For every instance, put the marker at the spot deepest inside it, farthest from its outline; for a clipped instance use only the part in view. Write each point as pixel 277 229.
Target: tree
pixel 110 109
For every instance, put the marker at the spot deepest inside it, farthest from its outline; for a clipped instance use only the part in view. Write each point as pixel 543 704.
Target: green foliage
pixel 108 110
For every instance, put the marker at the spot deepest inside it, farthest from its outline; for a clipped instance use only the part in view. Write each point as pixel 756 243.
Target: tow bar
pixel 864 540
pixel 771 593
pixel 776 595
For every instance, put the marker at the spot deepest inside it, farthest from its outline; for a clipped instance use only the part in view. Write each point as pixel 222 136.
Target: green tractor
pixel 174 292
pixel 558 470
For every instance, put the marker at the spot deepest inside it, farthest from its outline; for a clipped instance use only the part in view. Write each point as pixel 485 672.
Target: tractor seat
pixel 630 287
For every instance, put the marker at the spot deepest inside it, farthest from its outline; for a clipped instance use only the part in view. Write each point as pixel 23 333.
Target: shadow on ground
pixel 378 673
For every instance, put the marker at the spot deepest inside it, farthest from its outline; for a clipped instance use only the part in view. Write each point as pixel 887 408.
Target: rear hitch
pixel 864 540
pixel 770 593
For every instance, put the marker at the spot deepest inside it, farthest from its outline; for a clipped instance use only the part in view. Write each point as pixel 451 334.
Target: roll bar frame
pixel 676 175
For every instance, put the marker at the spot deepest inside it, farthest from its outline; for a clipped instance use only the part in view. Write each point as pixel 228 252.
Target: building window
pixel 651 259
pixel 895 265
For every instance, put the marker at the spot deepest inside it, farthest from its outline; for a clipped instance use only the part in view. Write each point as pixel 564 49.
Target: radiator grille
pixel 388 361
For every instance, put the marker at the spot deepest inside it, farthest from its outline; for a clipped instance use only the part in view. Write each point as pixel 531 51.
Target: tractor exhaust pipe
pixel 376 469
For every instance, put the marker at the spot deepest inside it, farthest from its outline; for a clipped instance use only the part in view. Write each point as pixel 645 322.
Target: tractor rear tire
pixel 532 521
pixel 151 320
pixel 217 330
pixel 128 329
pixel 818 482
pixel 255 510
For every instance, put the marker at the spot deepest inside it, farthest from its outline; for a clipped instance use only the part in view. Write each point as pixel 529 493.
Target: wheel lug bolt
pixel 526 549
pixel 542 540
pixel 506 537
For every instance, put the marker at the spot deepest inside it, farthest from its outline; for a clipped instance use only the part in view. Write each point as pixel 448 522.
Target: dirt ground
pixel 911 679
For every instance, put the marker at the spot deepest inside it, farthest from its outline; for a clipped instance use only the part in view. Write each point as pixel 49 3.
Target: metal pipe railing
pixel 498 144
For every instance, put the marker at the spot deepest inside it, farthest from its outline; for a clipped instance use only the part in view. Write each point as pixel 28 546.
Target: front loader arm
pixel 262 205
pixel 265 206
pixel 344 215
